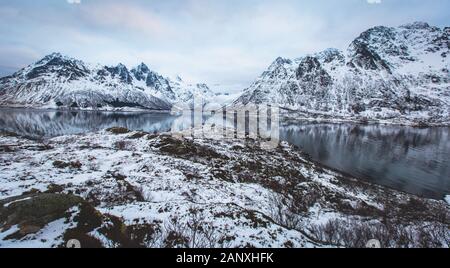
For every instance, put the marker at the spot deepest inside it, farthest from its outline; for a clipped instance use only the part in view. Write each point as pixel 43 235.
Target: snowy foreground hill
pixel 59 81
pixel 398 75
pixel 117 188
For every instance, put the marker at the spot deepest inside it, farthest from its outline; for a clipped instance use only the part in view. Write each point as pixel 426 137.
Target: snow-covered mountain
pixel 393 74
pixel 61 81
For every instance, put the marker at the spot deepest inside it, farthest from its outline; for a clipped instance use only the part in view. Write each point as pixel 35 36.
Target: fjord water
pixel 404 158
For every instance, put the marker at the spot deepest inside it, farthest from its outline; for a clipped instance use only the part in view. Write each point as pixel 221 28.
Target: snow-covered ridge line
pixel 59 81
pixel 388 74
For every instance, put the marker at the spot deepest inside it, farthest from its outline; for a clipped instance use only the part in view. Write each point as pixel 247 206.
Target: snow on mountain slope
pixel 60 81
pixel 173 91
pixel 394 74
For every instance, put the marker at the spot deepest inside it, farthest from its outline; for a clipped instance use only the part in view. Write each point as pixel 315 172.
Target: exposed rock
pixel 34 211
pixel 118 130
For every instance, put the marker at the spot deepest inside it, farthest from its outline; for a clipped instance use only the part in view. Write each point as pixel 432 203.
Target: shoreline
pixel 364 121
pixel 285 117
pixel 68 109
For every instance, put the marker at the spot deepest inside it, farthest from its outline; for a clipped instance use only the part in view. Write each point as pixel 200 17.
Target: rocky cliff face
pixel 396 74
pixel 60 81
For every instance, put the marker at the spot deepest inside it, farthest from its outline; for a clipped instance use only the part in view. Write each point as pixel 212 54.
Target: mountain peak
pixel 330 54
pixel 53 56
pixel 122 66
pixel 121 71
pixel 142 68
pixel 416 25
pixel 281 60
pixel 140 71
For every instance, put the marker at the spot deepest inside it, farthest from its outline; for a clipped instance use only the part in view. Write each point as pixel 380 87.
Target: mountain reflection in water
pixel 404 158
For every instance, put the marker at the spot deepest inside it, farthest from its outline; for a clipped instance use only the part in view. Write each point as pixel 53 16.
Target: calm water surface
pixel 404 158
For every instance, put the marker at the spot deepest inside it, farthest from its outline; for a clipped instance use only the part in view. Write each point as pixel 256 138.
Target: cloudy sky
pixel 227 42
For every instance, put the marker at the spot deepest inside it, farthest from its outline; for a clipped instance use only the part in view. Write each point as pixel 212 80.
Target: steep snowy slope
pixel 60 81
pixel 173 91
pixel 386 73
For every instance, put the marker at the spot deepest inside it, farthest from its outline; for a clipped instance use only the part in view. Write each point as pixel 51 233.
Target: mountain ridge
pixel 58 81
pixel 395 74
